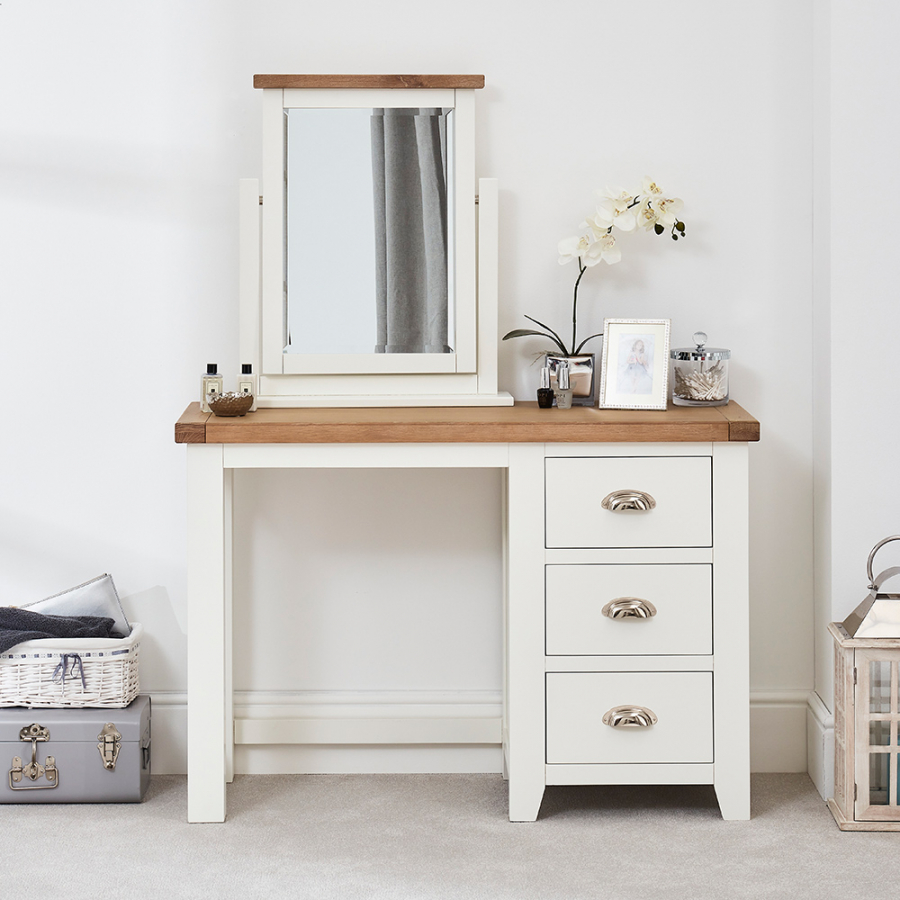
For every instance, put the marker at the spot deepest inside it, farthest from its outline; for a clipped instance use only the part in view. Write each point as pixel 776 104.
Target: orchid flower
pixel 656 210
pixel 669 207
pixel 603 248
pixel 572 248
pixel 616 208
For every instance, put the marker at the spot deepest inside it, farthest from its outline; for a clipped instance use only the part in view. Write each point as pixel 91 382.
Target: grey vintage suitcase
pixel 76 755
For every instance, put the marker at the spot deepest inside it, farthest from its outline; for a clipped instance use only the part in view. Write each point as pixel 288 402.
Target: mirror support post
pixel 488 266
pixel 248 265
pixel 272 293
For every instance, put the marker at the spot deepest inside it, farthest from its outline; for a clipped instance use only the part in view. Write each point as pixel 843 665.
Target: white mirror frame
pixel 466 377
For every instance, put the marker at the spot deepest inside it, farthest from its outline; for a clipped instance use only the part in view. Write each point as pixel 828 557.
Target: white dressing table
pixel 567 663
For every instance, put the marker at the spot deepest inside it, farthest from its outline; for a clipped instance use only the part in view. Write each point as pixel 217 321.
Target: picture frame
pixel 634 370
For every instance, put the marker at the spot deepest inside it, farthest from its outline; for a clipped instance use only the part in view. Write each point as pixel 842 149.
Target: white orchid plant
pixel 617 210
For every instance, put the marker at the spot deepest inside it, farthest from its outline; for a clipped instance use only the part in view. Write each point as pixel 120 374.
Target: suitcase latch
pixel 33 770
pixel 109 746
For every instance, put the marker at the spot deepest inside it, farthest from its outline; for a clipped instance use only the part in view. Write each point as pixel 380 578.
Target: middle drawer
pixel 679 596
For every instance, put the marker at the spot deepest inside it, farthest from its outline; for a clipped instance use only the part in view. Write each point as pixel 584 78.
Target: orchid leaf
pixel 599 334
pixel 524 332
pixel 559 340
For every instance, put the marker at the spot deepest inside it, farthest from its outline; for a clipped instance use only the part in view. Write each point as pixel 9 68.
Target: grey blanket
pixel 17 625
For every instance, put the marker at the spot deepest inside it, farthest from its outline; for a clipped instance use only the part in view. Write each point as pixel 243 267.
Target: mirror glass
pixel 369 230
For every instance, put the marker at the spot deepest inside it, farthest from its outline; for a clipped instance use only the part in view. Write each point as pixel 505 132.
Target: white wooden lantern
pixel 866 725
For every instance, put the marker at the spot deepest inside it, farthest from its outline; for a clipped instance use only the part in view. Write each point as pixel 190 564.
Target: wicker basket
pixel 58 672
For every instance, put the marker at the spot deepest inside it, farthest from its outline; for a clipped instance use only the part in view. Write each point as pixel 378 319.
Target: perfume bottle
pixel 563 391
pixel 545 392
pixel 211 383
pixel 248 383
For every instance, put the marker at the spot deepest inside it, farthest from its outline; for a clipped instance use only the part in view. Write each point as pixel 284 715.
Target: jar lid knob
pixel 699 338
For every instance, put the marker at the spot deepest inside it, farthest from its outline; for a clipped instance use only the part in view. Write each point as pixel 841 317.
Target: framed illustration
pixel 634 371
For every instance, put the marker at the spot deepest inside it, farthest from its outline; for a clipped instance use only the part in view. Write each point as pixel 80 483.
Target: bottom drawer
pixel 681 702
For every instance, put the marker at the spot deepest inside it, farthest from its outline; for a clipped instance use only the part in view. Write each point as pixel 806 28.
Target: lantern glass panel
pixel 879 734
pixel 880 686
pixel 879 778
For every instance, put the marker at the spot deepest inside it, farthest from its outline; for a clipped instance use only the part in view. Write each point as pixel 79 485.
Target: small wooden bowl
pixel 230 403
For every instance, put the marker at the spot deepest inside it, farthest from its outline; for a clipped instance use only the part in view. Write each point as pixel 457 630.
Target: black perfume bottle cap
pixel 246 369
pixel 212 369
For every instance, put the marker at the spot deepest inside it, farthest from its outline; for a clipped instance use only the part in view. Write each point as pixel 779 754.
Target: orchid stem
pixel 583 269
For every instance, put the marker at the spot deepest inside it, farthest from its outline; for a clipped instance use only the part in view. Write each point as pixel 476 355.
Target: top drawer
pixel 681 487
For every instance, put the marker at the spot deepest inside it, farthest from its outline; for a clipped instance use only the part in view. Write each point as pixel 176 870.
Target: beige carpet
pixel 444 836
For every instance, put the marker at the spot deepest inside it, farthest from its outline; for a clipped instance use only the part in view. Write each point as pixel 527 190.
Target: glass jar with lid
pixel 701 374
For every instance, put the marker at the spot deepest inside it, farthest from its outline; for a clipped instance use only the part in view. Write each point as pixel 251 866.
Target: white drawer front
pixel 680 485
pixel 682 702
pixel 680 594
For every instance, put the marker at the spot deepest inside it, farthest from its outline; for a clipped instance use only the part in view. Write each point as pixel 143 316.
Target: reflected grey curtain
pixel 409 160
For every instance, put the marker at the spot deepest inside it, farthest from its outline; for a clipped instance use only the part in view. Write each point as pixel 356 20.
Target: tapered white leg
pixel 733 795
pixel 504 730
pixel 206 633
pixel 525 631
pixel 731 629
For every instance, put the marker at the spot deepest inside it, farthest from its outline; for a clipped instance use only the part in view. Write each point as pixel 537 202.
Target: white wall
pixel 125 128
pixel 857 321
pixel 865 312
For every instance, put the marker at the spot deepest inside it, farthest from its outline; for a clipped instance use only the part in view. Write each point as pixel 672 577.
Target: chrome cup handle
pixel 625 500
pixel 629 608
pixel 630 717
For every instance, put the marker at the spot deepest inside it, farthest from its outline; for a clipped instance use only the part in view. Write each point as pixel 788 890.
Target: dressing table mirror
pixel 369 252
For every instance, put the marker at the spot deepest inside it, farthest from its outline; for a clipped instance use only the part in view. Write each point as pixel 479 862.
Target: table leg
pixel 731 626
pixel 525 631
pixel 229 625
pixel 206 671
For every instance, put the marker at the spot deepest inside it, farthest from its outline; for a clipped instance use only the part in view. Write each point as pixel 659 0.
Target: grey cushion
pixel 97 597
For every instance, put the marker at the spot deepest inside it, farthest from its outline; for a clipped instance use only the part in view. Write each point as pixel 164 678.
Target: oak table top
pixel 523 422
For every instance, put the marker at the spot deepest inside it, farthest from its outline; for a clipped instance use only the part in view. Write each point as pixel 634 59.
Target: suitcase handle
pixel 875 584
pixel 33 770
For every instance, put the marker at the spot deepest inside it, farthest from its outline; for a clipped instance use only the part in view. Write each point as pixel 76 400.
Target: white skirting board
pixel 322 759
pixel 820 745
pixel 778 732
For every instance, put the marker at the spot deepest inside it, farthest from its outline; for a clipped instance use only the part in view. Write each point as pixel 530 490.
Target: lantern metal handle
pixel 876 583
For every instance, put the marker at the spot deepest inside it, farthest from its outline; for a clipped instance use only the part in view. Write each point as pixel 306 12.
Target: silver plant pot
pixel 582 376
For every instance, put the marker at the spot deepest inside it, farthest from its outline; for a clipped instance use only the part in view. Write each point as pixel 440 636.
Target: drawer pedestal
pixel 642 610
